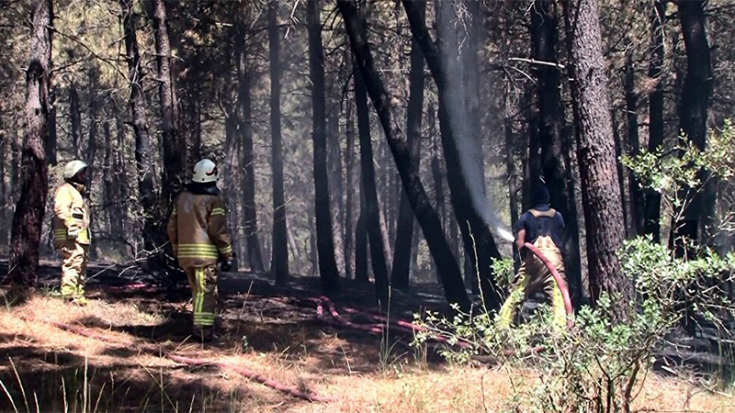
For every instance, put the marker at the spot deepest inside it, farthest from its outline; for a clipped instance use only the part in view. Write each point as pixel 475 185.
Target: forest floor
pixel 116 355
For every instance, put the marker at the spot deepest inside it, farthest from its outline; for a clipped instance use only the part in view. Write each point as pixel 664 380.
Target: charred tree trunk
pixel 75 114
pixel 244 101
pixel 553 136
pixel 510 164
pixel 173 155
pixel 336 188
pixel 403 247
pixel 280 229
pixel 51 141
pixel 596 155
pixel 325 241
pixel 349 235
pixel 426 215
pixel 657 51
pixel 92 144
pixel 152 236
pixel 30 209
pixel 693 113
pixel 478 241
pixel 109 198
pixel 361 247
pixel 636 200
pixel 372 208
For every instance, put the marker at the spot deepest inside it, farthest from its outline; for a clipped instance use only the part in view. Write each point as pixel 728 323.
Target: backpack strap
pixel 551 213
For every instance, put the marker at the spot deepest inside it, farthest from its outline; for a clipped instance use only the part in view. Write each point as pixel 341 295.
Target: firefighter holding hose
pixel 198 233
pixel 543 227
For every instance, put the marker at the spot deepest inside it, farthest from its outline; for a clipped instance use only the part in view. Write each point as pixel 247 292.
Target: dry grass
pixel 328 362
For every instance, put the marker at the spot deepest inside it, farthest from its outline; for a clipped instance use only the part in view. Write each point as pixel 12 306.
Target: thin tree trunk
pixel 4 202
pixel 426 215
pixel 636 200
pixel 349 235
pixel 476 233
pixel 29 212
pixel 361 246
pixel 373 223
pixel 173 155
pixel 620 173
pixel 325 241
pixel 75 115
pixel 336 190
pixel 693 113
pixel 596 155
pixel 92 144
pixel 147 189
pixel 510 164
pixel 657 51
pixel 280 229
pixel 244 99
pixel 51 142
pixel 403 247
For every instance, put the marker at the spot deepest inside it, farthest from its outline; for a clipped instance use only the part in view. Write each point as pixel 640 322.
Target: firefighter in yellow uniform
pixel 71 230
pixel 198 233
pixel 543 227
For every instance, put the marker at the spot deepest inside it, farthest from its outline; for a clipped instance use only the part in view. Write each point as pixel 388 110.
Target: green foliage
pixel 685 167
pixel 599 364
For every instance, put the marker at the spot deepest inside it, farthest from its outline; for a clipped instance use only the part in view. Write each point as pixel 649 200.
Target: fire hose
pixel 560 282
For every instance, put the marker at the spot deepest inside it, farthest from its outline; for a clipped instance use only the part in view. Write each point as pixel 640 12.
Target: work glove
pixel 72 233
pixel 227 263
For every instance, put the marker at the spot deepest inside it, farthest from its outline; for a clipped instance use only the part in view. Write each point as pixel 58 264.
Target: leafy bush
pixel 598 365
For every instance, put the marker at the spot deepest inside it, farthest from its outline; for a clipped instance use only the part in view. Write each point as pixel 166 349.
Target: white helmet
pixel 73 168
pixel 205 171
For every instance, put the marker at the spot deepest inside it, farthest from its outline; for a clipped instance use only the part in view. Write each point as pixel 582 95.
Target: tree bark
pixel 403 247
pixel 553 135
pixel 361 247
pixel 426 215
pixel 244 101
pixel 693 113
pixel 372 207
pixel 173 155
pixel 147 188
pixel 478 241
pixel 92 144
pixel 30 209
pixel 75 115
pixel 349 235
pixel 636 200
pixel 51 142
pixel 280 229
pixel 596 155
pixel 325 237
pixel 657 51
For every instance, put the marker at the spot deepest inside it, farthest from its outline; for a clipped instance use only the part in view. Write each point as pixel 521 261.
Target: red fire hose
pixel 559 282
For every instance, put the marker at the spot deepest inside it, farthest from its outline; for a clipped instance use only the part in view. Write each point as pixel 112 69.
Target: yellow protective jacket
pixel 198 228
pixel 71 212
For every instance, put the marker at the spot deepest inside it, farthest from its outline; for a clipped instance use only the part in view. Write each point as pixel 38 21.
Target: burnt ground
pixel 117 359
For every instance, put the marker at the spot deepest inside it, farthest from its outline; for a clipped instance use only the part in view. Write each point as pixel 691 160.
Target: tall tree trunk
pixel 693 113
pixel 244 99
pixel 510 164
pixel 110 200
pixel 426 215
pixel 403 247
pixel 554 138
pixel 29 212
pixel 620 172
pixel 596 155
pixel 372 208
pixel 361 246
pixel 280 230
pixel 4 202
pixel 476 235
pixel 147 188
pixel 336 188
pixel 634 145
pixel 325 237
pixel 173 155
pixel 92 144
pixel 75 115
pixel 349 235
pixel 51 141
pixel 657 51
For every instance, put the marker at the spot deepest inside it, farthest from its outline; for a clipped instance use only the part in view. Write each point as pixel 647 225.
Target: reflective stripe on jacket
pixel 71 212
pixel 198 230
